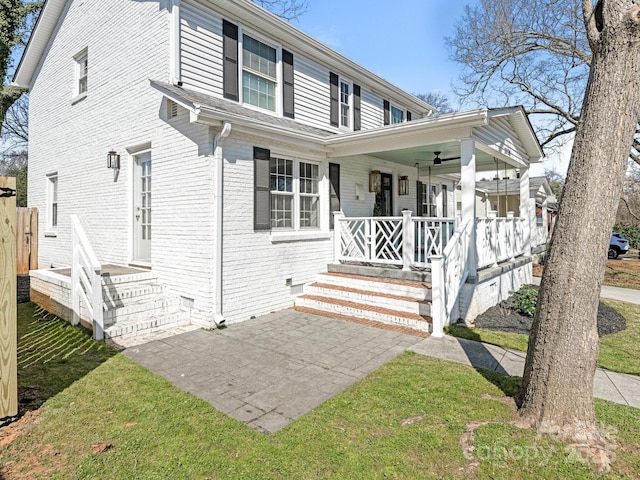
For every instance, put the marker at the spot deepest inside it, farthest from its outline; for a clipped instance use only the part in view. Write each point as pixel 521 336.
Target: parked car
pixel 618 245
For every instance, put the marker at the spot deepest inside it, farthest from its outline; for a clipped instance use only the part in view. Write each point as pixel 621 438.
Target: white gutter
pixel 218 160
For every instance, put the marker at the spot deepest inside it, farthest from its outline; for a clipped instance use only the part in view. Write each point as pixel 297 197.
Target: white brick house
pixel 238 137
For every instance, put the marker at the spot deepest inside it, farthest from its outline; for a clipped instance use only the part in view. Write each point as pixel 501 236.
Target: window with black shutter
pixel 334 194
pixel 357 112
pixel 387 114
pixel 334 99
pixel 287 84
pixel 261 195
pixel 230 65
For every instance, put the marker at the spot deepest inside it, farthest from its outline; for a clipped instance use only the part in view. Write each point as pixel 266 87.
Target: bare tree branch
pixel 287 9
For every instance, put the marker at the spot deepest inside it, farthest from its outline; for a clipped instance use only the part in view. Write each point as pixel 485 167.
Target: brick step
pixel 139 276
pixel 416 290
pixel 141 309
pixel 367 297
pixel 119 295
pixel 141 326
pixel 363 311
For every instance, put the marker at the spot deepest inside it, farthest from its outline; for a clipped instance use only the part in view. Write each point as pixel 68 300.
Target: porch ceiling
pixel 424 156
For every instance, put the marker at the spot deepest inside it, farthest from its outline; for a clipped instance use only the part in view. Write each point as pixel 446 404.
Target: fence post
pixel 337 235
pixel 438 298
pixel 8 301
pixel 408 240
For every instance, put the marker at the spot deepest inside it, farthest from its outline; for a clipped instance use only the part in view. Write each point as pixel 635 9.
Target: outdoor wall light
pixel 113 160
pixel 375 181
pixel 403 185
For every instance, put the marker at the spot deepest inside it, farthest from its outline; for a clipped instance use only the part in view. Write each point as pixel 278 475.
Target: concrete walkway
pixel 269 371
pixel 615 387
pixel 628 295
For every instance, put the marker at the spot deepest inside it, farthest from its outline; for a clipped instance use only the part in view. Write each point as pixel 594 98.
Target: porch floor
pixel 108 269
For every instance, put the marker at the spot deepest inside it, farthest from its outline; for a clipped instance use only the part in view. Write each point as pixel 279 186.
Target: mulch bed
pixel 503 318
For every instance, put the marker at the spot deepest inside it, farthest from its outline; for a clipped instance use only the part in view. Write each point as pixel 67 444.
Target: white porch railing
pixel 86 280
pixel 539 235
pixel 449 271
pixel 499 239
pixel 402 241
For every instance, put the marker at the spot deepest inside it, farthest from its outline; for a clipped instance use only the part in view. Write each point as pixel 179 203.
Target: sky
pixel 403 42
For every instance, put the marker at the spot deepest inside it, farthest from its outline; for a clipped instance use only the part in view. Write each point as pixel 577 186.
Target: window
pixel 294 194
pixel 82 72
pixel 52 203
pixel 259 73
pixel 397 115
pixel 345 98
pixel 429 195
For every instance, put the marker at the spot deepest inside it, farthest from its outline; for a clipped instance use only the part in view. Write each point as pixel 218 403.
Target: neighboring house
pixel 502 195
pixel 224 158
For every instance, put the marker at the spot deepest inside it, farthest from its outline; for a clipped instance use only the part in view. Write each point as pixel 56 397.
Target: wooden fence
pixel 26 240
pixel 8 302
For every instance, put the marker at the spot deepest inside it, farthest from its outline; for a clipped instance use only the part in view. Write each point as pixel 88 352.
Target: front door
pixel 384 199
pixel 142 208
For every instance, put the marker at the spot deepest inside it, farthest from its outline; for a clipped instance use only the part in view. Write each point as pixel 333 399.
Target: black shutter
pixel 334 191
pixel 230 65
pixel 408 116
pixel 287 84
pixel 333 81
pixel 261 190
pixel 357 114
pixel 387 114
pixel 419 190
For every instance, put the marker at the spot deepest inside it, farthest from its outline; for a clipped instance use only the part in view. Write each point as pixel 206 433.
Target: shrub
pixel 525 300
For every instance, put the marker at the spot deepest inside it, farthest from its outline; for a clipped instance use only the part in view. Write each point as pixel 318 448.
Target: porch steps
pixel 136 304
pixel 389 301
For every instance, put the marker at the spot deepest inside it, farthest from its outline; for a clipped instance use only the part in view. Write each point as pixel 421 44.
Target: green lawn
pixel 403 421
pixel 618 352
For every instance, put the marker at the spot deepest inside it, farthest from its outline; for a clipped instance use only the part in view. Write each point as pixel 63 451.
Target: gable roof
pixel 247 13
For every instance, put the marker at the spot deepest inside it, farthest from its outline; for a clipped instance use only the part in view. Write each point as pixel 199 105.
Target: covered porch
pixel 425 214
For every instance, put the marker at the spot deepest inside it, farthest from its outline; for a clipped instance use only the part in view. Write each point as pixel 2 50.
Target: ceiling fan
pixel 438 160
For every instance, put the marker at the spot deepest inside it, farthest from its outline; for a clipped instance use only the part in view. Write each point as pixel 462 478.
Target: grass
pixel 618 352
pixel 403 421
pixel 624 272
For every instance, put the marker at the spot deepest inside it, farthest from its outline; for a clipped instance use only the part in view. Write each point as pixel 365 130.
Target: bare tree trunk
pixel 557 390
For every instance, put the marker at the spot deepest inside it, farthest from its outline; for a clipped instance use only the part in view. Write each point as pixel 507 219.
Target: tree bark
pixel 557 390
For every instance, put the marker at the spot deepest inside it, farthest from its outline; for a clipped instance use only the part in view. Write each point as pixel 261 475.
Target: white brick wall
pixel 128 44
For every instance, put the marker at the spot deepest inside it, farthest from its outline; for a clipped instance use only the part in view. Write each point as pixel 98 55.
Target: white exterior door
pixel 142 208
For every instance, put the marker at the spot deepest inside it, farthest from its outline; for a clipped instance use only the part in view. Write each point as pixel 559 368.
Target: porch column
pixel 468 184
pixel 526 210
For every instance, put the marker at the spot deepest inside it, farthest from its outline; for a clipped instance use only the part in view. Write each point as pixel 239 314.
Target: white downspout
pixel 218 160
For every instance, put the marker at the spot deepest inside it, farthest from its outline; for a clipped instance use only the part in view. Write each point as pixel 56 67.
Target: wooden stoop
pixel 369 295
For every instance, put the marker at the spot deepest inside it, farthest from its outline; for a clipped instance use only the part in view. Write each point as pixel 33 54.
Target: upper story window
pixel 81 73
pixel 397 115
pixel 52 201
pixel 295 197
pixel 259 73
pixel 345 104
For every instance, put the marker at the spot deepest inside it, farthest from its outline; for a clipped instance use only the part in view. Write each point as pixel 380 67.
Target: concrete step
pixel 420 291
pixel 120 279
pixel 363 311
pixel 367 297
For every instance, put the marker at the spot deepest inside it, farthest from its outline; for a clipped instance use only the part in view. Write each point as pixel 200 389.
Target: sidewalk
pixel 613 293
pixel 616 387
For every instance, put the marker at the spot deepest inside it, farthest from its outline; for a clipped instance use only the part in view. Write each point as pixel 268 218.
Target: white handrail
pixel 449 271
pixel 86 280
